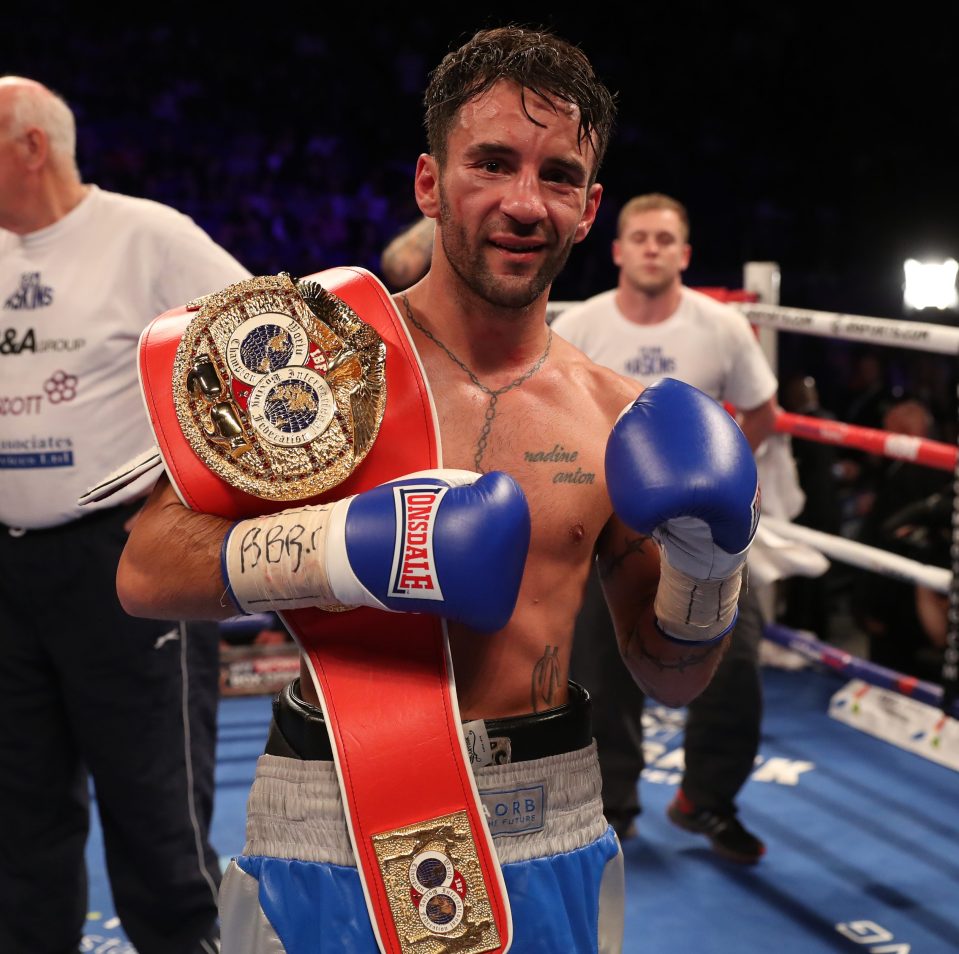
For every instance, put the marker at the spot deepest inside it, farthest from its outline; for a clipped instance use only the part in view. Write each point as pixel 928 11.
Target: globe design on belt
pixel 266 348
pixel 441 909
pixel 265 343
pixel 291 406
pixel 431 873
pixel 438 890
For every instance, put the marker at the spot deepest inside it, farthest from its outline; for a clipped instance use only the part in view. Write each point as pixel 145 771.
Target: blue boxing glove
pixel 447 542
pixel 679 468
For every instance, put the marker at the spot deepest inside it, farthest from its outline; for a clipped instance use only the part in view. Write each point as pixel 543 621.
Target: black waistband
pixel 299 729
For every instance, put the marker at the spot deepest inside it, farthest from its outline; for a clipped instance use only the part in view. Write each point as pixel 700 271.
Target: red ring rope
pixel 919 450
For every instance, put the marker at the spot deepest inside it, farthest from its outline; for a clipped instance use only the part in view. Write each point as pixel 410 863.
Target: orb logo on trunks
pixel 437 891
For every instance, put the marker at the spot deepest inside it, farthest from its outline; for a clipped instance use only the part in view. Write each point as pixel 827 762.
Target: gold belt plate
pixel 433 880
pixel 279 387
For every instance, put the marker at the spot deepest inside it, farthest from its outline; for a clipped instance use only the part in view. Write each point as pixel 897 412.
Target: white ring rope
pixel 917 335
pixel 865 557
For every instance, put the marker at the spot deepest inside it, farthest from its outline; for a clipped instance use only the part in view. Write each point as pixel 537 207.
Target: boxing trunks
pixel 295 889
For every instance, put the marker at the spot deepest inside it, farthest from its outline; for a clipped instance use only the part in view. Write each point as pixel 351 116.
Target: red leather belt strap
pixel 384 679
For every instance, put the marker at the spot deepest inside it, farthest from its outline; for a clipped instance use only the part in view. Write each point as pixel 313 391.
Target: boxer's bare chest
pixel 551 439
pixel 545 421
pixel 548 439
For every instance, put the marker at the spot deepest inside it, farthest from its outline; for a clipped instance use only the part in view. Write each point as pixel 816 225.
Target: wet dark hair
pixel 539 63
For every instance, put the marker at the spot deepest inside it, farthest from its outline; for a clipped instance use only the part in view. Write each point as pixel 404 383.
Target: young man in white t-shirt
pixel 649 327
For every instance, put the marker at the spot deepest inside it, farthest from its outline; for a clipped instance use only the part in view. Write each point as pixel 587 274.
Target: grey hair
pixel 35 105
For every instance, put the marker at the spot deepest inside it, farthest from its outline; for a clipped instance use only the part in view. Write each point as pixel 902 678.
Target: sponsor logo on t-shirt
pixel 17 341
pixel 31 294
pixel 36 451
pixel 59 388
pixel 650 361
pixel 16 405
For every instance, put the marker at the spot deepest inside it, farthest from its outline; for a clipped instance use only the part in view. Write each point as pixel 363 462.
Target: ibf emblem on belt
pixel 436 890
pixel 280 387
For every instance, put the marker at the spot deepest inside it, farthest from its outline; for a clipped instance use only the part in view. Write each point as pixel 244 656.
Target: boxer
pixel 518 125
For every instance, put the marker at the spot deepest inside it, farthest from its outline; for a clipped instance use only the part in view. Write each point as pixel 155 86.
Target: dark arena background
pixel 821 137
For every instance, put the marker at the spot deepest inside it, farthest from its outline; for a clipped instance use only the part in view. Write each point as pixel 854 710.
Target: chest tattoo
pixel 564 474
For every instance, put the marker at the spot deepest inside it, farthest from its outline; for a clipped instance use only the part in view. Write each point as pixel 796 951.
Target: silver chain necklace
pixel 494 396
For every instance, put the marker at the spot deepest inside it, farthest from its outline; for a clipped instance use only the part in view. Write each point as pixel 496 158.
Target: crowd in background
pixel 894 505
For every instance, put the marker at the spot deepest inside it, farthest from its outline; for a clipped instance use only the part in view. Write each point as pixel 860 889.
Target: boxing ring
pixel 935 454
pixel 861 823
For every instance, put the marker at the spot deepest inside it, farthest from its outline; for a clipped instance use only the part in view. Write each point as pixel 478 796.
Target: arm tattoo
pixel 545 681
pixel 608 566
pixel 634 647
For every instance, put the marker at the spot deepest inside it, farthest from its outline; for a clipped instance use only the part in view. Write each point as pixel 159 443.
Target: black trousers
pixel 722 724
pixel 86 689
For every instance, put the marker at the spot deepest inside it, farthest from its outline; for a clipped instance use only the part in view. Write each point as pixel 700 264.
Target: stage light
pixel 930 284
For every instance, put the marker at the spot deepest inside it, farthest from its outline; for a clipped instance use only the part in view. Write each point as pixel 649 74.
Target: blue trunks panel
pixel 319 908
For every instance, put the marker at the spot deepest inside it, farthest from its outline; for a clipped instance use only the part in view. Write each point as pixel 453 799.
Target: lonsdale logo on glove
pixel 755 510
pixel 414 569
pixel 389 548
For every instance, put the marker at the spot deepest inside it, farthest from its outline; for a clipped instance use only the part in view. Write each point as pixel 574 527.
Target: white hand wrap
pixel 292 559
pixel 688 545
pixel 693 610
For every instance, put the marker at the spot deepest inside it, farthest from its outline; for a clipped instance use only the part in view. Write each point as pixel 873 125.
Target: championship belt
pixel 273 392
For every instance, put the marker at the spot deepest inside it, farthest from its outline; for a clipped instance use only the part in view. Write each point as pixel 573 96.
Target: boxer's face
pixel 512 197
pixel 652 251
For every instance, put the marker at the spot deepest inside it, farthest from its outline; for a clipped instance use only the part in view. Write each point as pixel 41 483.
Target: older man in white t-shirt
pixel 651 326
pixel 83 687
